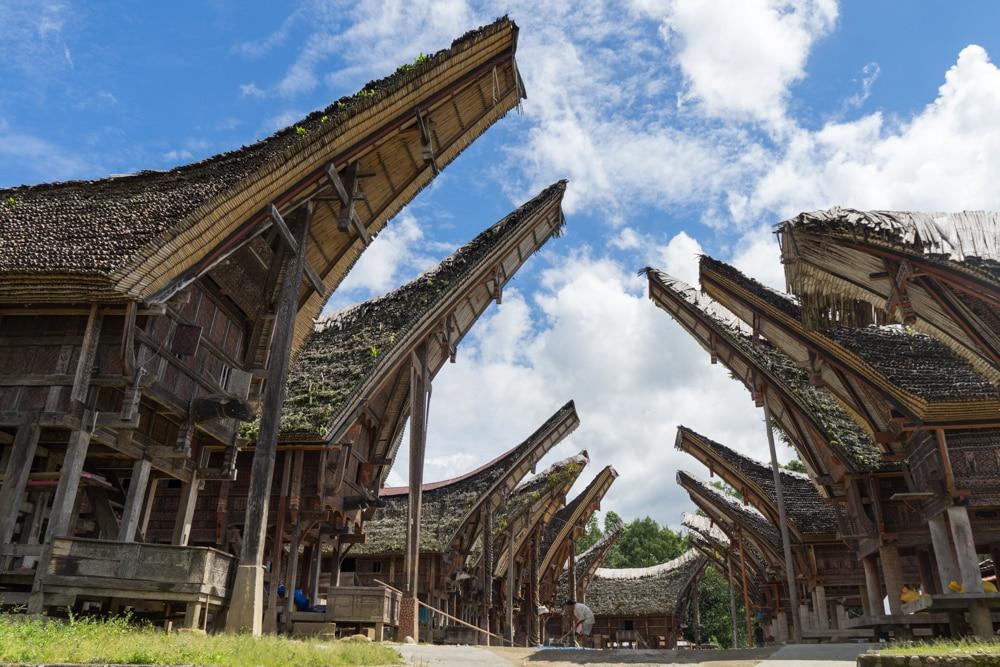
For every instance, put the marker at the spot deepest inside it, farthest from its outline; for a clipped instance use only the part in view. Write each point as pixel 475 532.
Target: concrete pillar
pixel 132 512
pixel 873 587
pixel 943 553
pixel 892 571
pixel 968 565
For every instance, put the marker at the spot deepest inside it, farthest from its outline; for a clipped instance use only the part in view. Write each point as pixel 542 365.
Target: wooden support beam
pixel 732 599
pixel 16 477
pixel 486 522
pixel 185 511
pixel 103 513
pixel 746 588
pixel 147 509
pixel 278 544
pixel 297 247
pixel 420 389
pixel 426 143
pixel 132 512
pixel 64 503
pixel 246 609
pixel 534 635
pixel 786 545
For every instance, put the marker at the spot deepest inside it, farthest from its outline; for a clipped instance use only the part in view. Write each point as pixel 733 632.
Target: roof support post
pixel 246 607
pixel 487 523
pixel 511 579
pixel 278 545
pixel 732 598
pixel 420 390
pixel 746 589
pixel 873 586
pixel 968 566
pixel 572 586
pixel 786 545
pixel 297 246
pixel 16 478
pixel 534 633
pixel 132 512
pixel 64 503
pixel 292 584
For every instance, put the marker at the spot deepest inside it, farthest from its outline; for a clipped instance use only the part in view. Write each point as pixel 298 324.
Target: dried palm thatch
pixel 576 513
pixel 588 561
pixel 945 266
pixel 645 591
pixel 807 513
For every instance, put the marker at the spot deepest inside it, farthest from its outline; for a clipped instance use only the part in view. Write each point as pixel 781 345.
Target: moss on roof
pixel 349 347
pixel 840 431
pixel 644 591
pixel 96 227
pixel 804 506
pixel 566 513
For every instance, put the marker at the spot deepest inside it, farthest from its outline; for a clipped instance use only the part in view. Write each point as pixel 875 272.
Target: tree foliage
pixel 795 465
pixel 713 600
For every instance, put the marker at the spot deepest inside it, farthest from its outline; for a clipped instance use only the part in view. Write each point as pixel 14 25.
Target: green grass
pixel 120 641
pixel 946 647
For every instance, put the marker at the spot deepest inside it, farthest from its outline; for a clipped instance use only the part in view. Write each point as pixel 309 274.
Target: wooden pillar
pixel 822 613
pixel 315 570
pixel 511 579
pixel 132 512
pixel 534 634
pixel 980 617
pixel 246 606
pixel 185 511
pixel 786 544
pixel 573 584
pixel 487 560
pixel 746 589
pixel 943 553
pixel 420 388
pixel 873 586
pixel 16 477
pixel 278 546
pixel 696 615
pixel 732 599
pixel 64 503
pixel 892 573
pixel 147 509
pixel 33 532
pixel 926 572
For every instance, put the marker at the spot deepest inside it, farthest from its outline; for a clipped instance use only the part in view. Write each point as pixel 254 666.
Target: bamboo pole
pixel 786 545
pixel 443 613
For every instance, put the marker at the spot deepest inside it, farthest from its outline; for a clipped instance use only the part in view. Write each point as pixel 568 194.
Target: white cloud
pixel 627 239
pixel 947 157
pixel 869 75
pixel 177 155
pixel 739 57
pixel 251 90
pixel 635 375
pixel 757 255
pixel 40 158
pixel 679 258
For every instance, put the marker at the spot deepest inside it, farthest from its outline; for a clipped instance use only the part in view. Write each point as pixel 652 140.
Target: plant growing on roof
pixel 324 118
pixel 10 200
pixel 299 130
pixel 373 351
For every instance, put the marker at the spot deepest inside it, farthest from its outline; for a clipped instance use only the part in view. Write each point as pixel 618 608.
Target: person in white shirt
pixel 581 615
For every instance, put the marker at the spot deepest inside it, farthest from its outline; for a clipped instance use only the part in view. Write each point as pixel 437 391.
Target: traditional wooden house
pixel 756 554
pixel 144 316
pixel 825 566
pixel 573 582
pixel 930 410
pixel 558 547
pixel 455 513
pixel 644 605
pixel 517 547
pixel 705 536
pixel 939 272
pixel 348 401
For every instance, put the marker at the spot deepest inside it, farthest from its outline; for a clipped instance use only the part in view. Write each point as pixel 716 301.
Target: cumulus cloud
pixel 739 57
pixel 946 157
pixel 634 374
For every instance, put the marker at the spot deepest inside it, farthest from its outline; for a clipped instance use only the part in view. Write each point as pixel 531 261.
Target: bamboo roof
pixel 588 561
pixel 449 517
pixel 822 432
pixel 808 514
pixel 660 590
pixel 943 265
pixel 357 356
pixel 132 237
pixel 573 516
pixel 915 373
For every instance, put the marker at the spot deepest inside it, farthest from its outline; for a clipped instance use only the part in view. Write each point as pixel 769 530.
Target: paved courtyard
pixel 800 655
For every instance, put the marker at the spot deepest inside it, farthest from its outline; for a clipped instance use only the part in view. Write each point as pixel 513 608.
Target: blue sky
pixel 683 126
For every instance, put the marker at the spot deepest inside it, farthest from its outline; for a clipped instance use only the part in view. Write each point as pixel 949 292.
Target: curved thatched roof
pixel 588 561
pixel 645 591
pixel 804 507
pixel 361 345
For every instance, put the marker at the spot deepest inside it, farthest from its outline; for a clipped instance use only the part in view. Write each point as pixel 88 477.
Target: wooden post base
pixel 246 606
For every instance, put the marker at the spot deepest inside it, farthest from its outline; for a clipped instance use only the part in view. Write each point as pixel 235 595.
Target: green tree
pixel 713 600
pixel 795 465
pixel 591 537
pixel 643 543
